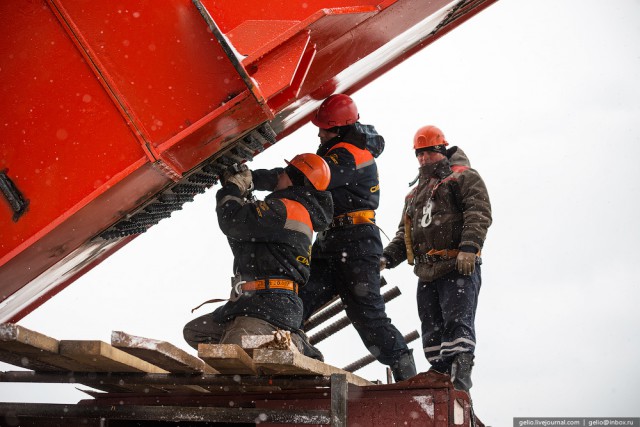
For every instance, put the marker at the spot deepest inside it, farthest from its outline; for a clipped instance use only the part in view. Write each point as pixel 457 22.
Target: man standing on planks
pixel 345 258
pixel 443 227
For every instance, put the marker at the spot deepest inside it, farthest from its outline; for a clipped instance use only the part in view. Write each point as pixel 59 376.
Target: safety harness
pixel 238 287
pixel 357 217
pixel 269 284
pixel 433 255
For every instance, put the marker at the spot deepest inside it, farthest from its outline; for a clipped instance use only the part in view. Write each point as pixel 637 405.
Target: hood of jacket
pixel 457 157
pixel 362 136
pixel 318 203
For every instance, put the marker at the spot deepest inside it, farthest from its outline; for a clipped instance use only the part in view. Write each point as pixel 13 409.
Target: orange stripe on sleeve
pixel 361 155
pixel 297 212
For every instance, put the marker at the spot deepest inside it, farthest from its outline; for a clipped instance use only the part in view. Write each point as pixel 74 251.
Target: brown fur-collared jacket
pixel 459 215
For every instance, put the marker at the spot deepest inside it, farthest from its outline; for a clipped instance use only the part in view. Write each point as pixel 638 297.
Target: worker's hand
pixel 466 263
pixel 383 263
pixel 243 180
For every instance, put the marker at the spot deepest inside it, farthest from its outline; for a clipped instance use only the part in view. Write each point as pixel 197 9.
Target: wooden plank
pixel 25 348
pixel 160 353
pixel 28 349
pixel 287 362
pixel 227 358
pixel 102 357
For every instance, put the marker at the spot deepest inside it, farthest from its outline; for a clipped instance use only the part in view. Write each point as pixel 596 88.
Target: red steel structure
pixel 426 400
pixel 115 113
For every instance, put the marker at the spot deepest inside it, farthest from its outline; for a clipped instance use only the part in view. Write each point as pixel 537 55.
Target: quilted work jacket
pixel 354 187
pixel 272 239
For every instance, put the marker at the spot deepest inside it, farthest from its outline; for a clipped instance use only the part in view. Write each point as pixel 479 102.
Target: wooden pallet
pixel 129 354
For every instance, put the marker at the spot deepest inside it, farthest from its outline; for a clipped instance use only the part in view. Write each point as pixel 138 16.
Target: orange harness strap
pixel 258 285
pixel 357 217
pixel 262 284
pixel 444 253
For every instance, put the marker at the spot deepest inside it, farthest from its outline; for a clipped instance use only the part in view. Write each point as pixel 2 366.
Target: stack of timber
pixel 152 358
pixel 147 382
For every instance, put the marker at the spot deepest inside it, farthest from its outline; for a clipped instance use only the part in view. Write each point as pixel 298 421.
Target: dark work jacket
pixel 272 239
pixel 354 186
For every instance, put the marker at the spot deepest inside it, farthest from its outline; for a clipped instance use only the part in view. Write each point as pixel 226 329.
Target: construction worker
pixel 444 224
pixel 345 258
pixel 271 244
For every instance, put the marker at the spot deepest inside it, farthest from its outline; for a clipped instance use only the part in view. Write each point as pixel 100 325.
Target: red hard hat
pixel 428 136
pixel 314 168
pixel 336 110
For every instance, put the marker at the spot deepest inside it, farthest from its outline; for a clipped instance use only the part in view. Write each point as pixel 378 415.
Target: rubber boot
pixel 404 368
pixel 461 371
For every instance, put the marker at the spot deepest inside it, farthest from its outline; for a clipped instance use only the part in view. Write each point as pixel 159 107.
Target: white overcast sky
pixel 544 97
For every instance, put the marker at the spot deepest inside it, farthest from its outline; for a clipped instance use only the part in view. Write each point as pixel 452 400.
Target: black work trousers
pixel 447 310
pixel 356 278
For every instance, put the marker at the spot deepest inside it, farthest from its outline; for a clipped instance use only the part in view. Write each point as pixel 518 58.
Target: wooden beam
pixel 160 353
pixel 227 358
pixel 287 362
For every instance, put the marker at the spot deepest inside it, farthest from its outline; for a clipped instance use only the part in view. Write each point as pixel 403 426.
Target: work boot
pixel 308 349
pixel 461 371
pixel 404 368
pixel 441 367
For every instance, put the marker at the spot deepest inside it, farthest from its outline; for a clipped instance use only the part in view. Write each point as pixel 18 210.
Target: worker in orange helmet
pixel 345 258
pixel 443 227
pixel 271 244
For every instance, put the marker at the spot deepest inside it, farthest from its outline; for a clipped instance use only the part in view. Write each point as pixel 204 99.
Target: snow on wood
pixel 293 363
pixel 160 353
pixel 227 358
pixel 32 350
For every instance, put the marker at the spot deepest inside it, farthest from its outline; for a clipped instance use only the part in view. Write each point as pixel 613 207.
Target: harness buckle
pixel 236 288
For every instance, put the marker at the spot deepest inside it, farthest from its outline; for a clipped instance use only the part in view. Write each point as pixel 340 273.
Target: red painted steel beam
pixel 427 24
pixel 106 104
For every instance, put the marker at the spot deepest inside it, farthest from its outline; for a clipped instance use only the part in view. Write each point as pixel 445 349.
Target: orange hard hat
pixel 428 136
pixel 314 168
pixel 336 110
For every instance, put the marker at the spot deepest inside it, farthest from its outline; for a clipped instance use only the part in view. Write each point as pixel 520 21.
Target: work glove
pixel 466 263
pixel 383 263
pixel 241 179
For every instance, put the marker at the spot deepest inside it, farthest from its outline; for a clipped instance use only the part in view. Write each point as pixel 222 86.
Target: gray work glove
pixel 466 263
pixel 243 180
